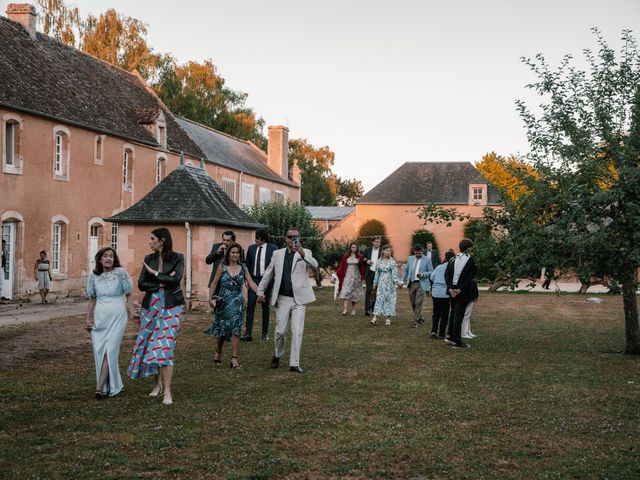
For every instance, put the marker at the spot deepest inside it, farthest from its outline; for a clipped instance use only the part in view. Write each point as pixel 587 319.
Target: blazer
pixel 425 269
pixel 465 282
pixel 302 291
pixel 174 263
pixel 215 258
pixel 252 251
pixel 367 256
pixel 435 259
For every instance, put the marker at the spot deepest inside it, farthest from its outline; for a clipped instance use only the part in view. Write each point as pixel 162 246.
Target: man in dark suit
pixel 460 273
pixel 217 253
pixel 431 255
pixel 371 256
pixel 258 259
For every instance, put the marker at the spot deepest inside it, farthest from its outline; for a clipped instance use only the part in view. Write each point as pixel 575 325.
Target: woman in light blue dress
pixel 109 289
pixel 385 285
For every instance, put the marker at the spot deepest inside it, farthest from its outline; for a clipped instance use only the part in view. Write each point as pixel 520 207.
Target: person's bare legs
pixel 157 389
pixel 345 306
pixel 167 374
pixel 353 308
pixel 44 295
pixel 235 349
pixel 104 373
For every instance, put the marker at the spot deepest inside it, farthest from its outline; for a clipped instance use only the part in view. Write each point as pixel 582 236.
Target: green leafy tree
pixel 369 229
pixel 198 92
pixel 585 143
pixel 319 186
pixel 424 236
pixel 279 216
pixel 348 192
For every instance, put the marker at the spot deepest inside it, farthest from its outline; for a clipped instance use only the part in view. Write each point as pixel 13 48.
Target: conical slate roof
pixel 187 194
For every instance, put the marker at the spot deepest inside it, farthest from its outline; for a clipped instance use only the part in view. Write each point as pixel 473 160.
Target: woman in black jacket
pixel 162 310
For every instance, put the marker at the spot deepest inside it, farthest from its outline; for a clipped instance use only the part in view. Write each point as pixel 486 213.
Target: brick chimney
pixel 278 150
pixel 25 15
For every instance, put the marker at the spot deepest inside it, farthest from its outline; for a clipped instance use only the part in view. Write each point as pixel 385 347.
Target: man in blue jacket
pixel 416 278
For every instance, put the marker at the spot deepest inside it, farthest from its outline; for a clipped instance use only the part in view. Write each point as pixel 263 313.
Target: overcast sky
pixel 381 82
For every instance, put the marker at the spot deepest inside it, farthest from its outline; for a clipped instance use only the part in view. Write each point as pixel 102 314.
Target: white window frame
pixel 11 144
pixel 248 199
pixel 265 192
pixel 98 149
pixel 228 183
pixel 114 236
pixel 56 247
pixel 128 165
pixel 473 188
pixel 279 196
pixel 61 152
pixel 161 168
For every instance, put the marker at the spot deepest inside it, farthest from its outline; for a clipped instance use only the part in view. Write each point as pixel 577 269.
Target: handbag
pixel 219 303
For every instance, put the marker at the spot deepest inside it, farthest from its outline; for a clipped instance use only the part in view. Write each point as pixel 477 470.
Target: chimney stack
pixel 25 15
pixel 278 150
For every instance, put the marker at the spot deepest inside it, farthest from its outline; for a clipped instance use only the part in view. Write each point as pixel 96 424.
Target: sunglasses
pixel 291 237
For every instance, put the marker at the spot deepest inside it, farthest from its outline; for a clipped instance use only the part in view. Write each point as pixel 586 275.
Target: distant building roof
pixel 429 182
pixel 187 194
pixel 231 152
pixel 329 213
pixel 47 78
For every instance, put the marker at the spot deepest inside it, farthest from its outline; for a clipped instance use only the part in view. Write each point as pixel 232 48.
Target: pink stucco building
pixel 82 140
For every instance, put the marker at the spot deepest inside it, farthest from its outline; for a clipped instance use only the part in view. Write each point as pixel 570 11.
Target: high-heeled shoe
pixel 99 394
pixel 157 391
pixel 166 399
pixel 236 366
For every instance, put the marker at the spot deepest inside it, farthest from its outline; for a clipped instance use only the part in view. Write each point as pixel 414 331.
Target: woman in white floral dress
pixel 385 286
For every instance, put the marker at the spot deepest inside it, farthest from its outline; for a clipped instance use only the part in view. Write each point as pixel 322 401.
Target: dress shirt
pixel 260 256
pixel 374 258
pixel 416 269
pixel 460 262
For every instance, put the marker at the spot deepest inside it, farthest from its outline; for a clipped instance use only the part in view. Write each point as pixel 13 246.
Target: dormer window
pixel 477 194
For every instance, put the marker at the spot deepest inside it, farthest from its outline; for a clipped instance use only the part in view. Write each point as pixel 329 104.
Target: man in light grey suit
pixel 291 292
pixel 416 279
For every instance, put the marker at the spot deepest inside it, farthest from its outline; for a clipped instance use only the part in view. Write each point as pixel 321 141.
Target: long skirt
pixel 110 321
pixel 157 337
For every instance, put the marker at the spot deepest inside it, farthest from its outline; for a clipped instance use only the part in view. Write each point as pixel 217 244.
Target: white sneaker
pixel 466 336
pixel 472 335
pixel 387 322
pixel 373 321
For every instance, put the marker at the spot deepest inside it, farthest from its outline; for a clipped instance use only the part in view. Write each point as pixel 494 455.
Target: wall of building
pixel 401 222
pixel 134 246
pixel 36 198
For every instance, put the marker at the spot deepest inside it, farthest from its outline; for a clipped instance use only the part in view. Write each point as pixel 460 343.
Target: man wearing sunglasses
pixel 290 295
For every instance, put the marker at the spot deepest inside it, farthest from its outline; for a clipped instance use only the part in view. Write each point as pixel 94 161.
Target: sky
pixel 382 82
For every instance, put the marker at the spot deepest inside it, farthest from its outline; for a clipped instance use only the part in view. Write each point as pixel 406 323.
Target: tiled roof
pixel 231 152
pixel 187 194
pixel 429 182
pixel 47 78
pixel 329 213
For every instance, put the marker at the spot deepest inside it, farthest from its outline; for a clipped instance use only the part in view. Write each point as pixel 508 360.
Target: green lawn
pixel 543 393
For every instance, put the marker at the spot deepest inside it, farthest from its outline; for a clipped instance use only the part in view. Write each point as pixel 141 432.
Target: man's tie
pixel 257 269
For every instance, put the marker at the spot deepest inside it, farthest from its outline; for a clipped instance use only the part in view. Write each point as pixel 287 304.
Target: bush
pixel 278 217
pixel 486 249
pixel 424 236
pixel 332 252
pixel 370 229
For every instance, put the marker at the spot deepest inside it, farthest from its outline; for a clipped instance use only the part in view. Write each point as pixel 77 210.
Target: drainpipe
pixel 188 267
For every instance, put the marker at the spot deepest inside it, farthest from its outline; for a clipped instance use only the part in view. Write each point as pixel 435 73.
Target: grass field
pixel 544 392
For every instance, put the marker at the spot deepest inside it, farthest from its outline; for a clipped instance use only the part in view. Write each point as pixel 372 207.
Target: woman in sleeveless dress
pixel 42 272
pixel 109 289
pixel 232 274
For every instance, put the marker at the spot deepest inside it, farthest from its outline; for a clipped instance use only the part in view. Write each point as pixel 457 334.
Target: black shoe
pixel 434 336
pixel 448 340
pixel 246 338
pixel 296 369
pixel 275 363
pixel 367 313
pixel 421 321
pixel 462 345
pixel 264 338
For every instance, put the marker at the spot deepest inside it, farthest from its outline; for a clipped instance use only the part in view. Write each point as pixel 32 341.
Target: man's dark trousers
pixel 458 307
pixel 368 304
pixel 440 317
pixel 251 307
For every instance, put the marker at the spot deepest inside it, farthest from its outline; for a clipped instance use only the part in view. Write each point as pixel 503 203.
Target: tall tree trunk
pixel 499 283
pixel 632 327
